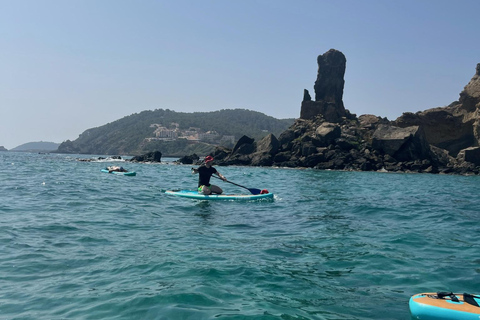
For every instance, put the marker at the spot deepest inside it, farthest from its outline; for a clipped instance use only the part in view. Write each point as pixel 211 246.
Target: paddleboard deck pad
pixel 129 173
pixel 199 196
pixel 444 306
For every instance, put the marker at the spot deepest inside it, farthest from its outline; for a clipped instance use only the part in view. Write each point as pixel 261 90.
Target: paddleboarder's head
pixel 209 159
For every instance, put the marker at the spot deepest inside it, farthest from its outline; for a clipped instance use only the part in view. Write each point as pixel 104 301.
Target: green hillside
pixel 40 146
pixel 128 136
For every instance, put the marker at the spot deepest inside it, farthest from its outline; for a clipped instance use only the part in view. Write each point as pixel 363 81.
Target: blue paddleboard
pixel 129 173
pixel 199 196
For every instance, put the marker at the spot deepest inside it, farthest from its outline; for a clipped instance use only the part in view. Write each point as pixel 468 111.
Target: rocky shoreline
pixel 327 136
pixel 149 157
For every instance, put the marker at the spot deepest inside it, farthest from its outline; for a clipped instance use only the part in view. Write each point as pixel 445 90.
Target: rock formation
pixel 328 136
pixel 328 89
pixel 191 159
pixel 155 156
pixel 452 128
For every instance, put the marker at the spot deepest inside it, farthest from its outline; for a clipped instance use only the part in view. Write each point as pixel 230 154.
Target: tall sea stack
pixel 328 89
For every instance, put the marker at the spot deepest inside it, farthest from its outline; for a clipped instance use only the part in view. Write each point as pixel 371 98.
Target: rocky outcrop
pixel 345 146
pixel 443 128
pixel 155 156
pixel 327 136
pixel 191 159
pixel 452 128
pixel 2 148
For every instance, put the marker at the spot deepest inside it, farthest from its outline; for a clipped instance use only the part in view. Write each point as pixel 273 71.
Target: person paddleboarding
pixel 205 172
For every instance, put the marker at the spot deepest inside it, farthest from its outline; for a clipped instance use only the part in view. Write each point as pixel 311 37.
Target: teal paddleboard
pixel 129 173
pixel 232 197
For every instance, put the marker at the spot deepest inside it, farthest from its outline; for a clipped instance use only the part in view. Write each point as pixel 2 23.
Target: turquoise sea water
pixel 76 243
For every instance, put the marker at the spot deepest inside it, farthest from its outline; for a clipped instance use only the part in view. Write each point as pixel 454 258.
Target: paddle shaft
pixel 230 182
pixel 252 190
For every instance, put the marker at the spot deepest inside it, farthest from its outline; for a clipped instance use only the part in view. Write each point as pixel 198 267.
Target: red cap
pixel 208 158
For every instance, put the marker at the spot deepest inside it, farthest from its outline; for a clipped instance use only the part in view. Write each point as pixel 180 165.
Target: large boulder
pixel 440 157
pixel 191 159
pixel 442 128
pixel 244 145
pixel 403 144
pixel 370 121
pixel 471 155
pixel 240 155
pixel 154 156
pixel 298 129
pixel 269 145
pixel 266 149
pixel 326 133
pixel 221 153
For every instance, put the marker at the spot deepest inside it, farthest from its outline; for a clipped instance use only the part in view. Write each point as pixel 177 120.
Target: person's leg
pixel 216 189
pixel 205 190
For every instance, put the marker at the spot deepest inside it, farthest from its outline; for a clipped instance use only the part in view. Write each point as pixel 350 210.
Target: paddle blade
pixel 254 191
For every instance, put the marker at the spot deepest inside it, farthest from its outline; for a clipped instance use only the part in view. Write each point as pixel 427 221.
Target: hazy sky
pixel 70 65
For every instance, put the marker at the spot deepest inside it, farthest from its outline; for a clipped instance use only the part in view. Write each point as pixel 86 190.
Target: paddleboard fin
pixel 470 299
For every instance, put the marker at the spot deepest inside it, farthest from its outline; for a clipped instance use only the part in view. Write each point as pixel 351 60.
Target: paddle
pixel 252 190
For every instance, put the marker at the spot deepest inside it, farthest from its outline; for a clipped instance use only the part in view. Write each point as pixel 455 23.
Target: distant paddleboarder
pixel 116 168
pixel 205 172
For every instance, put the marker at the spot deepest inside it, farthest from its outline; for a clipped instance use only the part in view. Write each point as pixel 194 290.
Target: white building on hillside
pixel 166 134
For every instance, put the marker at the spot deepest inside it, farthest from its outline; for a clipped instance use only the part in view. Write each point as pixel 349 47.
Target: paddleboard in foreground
pixel 445 306
pixel 199 196
pixel 129 173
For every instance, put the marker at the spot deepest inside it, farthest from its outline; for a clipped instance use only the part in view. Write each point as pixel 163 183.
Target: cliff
pixel 452 128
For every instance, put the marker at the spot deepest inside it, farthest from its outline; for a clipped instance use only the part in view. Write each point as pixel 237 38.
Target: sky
pixel 70 65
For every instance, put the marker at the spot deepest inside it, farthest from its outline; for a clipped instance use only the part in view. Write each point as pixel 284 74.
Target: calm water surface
pixel 76 243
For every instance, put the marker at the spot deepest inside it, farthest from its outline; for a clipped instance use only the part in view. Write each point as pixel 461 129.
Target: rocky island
pixel 328 136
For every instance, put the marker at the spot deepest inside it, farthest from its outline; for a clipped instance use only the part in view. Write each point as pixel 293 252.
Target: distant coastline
pixel 38 146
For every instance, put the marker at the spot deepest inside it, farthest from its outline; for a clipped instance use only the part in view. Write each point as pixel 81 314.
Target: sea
pixel 76 243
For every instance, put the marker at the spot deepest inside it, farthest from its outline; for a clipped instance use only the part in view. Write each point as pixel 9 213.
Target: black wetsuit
pixel 204 175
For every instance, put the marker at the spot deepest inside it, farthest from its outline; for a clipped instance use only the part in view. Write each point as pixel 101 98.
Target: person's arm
pixel 221 176
pixel 194 171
